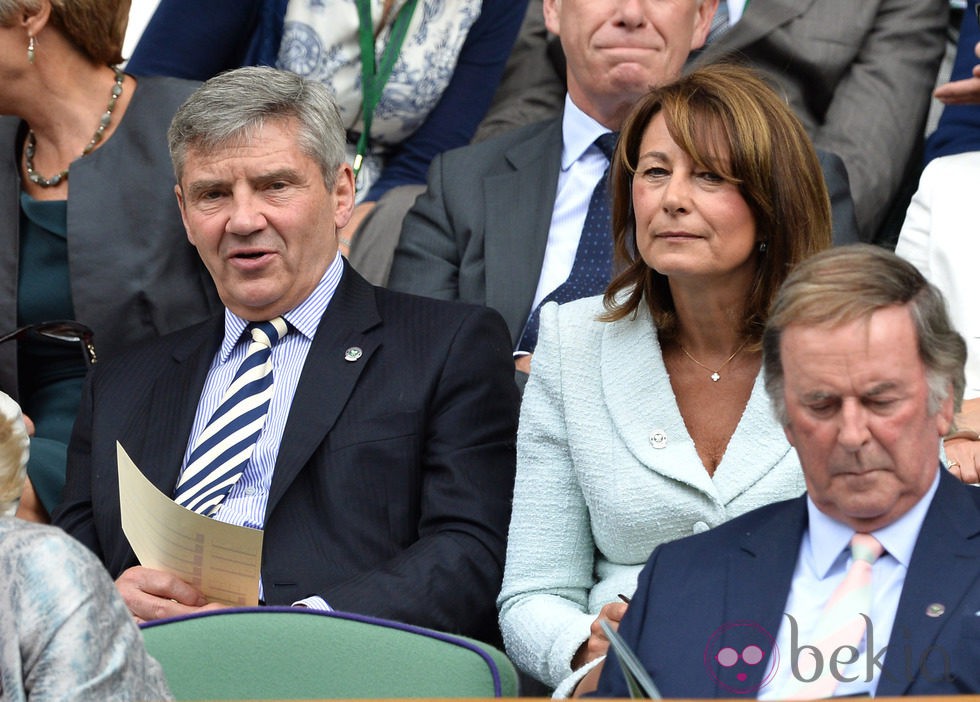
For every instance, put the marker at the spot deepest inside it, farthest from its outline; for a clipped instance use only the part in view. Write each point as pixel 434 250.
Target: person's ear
pixel 344 191
pixel 552 12
pixel 181 205
pixel 944 417
pixel 702 22
pixel 788 431
pixel 35 18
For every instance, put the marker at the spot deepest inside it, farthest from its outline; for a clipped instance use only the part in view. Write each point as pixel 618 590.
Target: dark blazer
pixel 479 232
pixel 391 493
pixel 134 276
pixel 741 571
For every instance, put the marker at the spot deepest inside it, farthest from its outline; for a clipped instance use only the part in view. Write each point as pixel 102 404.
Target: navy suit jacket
pixel 391 491
pixel 719 588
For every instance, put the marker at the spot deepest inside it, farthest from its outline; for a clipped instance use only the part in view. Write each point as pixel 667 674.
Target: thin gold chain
pixel 715 372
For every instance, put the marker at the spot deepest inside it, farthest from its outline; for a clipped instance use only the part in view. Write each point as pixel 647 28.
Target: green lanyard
pixel 374 77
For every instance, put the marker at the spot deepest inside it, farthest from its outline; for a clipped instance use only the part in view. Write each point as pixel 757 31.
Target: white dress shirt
pixel 735 10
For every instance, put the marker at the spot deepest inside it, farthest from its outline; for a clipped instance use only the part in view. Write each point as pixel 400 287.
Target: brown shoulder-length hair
pixel 96 27
pixel 720 111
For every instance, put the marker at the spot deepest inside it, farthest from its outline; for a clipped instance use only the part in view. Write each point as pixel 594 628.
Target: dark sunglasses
pixel 65 330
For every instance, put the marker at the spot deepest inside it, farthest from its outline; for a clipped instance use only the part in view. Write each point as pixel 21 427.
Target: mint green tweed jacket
pixel 606 471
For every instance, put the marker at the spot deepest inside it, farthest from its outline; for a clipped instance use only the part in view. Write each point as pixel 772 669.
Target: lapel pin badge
pixel 353 353
pixel 936 609
pixel 658 439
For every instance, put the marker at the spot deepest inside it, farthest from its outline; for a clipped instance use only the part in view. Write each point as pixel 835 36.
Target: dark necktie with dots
pixel 592 268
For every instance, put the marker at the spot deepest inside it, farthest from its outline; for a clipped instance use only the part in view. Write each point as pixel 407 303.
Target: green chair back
pixel 294 653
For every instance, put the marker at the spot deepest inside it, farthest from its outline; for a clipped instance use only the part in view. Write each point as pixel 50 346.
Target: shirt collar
pixel 829 538
pixel 304 318
pixel 578 132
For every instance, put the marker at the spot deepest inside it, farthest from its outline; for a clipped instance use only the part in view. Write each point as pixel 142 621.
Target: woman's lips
pixel 677 235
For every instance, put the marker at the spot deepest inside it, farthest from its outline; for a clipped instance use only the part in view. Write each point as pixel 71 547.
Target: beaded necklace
pixel 104 122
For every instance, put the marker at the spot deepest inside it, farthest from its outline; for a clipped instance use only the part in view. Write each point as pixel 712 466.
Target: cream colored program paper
pixel 221 560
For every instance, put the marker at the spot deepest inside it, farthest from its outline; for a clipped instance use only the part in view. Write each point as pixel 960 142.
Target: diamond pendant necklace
pixel 715 373
pixel 104 122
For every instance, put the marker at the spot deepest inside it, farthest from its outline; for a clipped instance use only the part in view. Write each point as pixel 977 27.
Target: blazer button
pixel 700 527
pixel 658 439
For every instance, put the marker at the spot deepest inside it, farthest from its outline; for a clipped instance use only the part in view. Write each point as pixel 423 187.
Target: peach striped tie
pixel 841 622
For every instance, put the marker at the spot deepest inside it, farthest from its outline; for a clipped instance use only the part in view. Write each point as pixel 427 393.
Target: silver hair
pixel 848 283
pixel 232 106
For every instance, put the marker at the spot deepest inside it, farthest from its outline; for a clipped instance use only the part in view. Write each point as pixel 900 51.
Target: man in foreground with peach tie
pixel 870 583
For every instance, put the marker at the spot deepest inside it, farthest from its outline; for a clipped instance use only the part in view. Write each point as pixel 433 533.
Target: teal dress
pixel 50 373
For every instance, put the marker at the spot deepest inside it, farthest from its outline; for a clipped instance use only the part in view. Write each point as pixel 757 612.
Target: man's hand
pixel 961 92
pixel 597 644
pixel 963 448
pixel 963 457
pixel 153 594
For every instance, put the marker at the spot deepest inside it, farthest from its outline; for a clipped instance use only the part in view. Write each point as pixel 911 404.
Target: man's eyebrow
pixel 881 388
pixel 818 396
pixel 876 390
pixel 200 186
pixel 288 174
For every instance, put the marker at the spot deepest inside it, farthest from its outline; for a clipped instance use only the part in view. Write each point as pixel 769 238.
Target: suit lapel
pixel 943 570
pixel 519 204
pixel 627 387
pixel 760 18
pixel 760 575
pixel 171 404
pixel 757 444
pixel 327 379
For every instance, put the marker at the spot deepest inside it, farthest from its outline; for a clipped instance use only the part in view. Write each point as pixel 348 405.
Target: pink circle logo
pixel 734 654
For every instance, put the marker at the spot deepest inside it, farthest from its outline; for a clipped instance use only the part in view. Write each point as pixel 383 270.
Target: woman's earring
pixel 762 247
pixel 30 49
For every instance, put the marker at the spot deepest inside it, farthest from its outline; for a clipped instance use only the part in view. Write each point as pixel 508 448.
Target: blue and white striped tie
pixel 226 444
